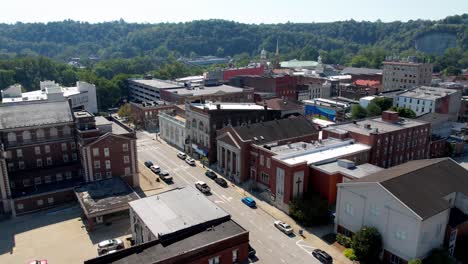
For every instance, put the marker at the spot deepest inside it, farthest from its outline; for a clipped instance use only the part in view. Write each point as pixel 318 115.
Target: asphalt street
pixel 272 246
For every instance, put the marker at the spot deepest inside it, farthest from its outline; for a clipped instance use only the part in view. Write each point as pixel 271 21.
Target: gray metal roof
pixel 176 210
pixel 34 113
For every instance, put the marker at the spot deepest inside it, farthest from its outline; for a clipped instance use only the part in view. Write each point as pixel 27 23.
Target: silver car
pixel 108 245
pixel 283 227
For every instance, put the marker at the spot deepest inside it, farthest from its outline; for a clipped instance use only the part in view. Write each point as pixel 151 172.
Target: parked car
pixel 44 261
pixel 322 256
pixel 283 227
pixel 164 175
pixel 221 182
pixel 156 169
pixel 203 187
pixel 252 252
pixel 211 174
pixel 148 163
pixel 111 244
pixel 190 161
pixel 249 201
pixel 181 155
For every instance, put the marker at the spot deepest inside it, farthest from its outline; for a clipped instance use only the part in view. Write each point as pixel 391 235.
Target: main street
pixel 271 245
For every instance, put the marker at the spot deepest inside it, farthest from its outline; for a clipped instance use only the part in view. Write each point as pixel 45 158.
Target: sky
pixel 245 11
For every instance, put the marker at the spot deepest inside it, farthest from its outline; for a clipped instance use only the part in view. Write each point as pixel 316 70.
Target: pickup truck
pixel 202 187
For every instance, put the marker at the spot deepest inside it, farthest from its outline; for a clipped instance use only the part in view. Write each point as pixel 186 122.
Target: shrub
pixel 367 244
pixel 415 261
pixel 349 253
pixel 312 210
pixel 343 240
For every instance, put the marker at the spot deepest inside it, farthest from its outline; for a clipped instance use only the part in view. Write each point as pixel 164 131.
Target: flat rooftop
pixel 176 210
pixel 101 121
pixel 318 152
pixel 155 251
pixel 98 197
pixel 118 129
pixel 358 171
pixel 376 123
pixel 428 93
pixel 229 106
pixel 159 84
pixel 207 90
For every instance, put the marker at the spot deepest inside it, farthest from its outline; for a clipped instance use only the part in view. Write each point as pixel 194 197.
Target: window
pixel 66 130
pixel 50 200
pixel 108 164
pixel 26 135
pixel 21 165
pixel 375 210
pixel 235 257
pixel 106 152
pixel 20 206
pixel 125 147
pixel 108 174
pixel 11 137
pixel 40 202
pixel 37 180
pixel 74 156
pixel 37 150
pixel 40 133
pixel 265 178
pixel 97 176
pixel 8 154
pixel 214 260
pixel 47 179
pixel 68 175
pixel 349 209
pixel 126 159
pixel 97 164
pixel 268 161
pixel 64 146
pixel 19 153
pixel 395 259
pixel 11 166
pixel 26 182
pixel 39 163
pixel 59 177
pixel 401 235
pixel 261 160
pixel 65 157
pixel 49 161
pixel 53 132
pixel 47 149
pixel 127 171
pixel 95 152
pixel 73 145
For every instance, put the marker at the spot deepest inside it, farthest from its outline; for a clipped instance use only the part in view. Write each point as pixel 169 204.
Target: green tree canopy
pixel 373 109
pixel 358 112
pixel 367 244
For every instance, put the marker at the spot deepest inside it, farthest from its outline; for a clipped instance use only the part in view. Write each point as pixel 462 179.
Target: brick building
pixel 367 74
pixel 309 87
pixel 203 121
pixel 146 115
pixel 42 155
pixel 405 74
pixel 394 140
pixel 282 85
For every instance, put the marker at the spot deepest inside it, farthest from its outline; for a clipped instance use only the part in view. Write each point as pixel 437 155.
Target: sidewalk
pixel 148 183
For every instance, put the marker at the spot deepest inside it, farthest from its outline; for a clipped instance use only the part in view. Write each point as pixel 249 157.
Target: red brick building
pixel 229 73
pixel 145 115
pixel 394 140
pixel 282 85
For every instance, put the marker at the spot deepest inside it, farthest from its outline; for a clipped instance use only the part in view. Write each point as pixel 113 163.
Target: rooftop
pixel 298 64
pixel 176 210
pixel 281 104
pixel 34 113
pixel 159 84
pixel 357 71
pixel 356 171
pixel 207 90
pixel 189 244
pixel 428 93
pixel 228 106
pixel 98 197
pixel 431 179
pixel 102 121
pixel 369 83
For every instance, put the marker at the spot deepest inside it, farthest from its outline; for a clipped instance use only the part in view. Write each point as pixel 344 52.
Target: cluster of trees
pixel 310 211
pixel 364 246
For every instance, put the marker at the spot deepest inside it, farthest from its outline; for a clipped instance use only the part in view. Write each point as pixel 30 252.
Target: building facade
pixel 149 90
pixel 405 74
pixel 218 93
pixel 146 115
pixel 309 88
pixel 172 129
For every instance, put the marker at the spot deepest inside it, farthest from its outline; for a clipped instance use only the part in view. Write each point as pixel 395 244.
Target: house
pixel 416 206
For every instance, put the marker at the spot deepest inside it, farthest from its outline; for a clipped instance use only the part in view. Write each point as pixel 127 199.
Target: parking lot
pixel 57 235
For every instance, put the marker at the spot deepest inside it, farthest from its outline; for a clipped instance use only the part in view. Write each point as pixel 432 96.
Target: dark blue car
pixel 249 201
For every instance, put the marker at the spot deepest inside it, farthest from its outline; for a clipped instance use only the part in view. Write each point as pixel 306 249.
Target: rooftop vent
pixel 261 137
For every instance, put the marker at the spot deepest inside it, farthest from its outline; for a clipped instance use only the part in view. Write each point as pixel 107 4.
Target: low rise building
pixel 366 74
pixel 309 88
pixel 287 107
pixel 145 115
pixel 416 207
pixel 425 99
pixel 149 90
pixel 172 129
pixel 219 93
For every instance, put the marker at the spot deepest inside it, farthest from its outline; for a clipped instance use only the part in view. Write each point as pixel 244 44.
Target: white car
pixel 283 227
pixel 108 245
pixel 190 161
pixel 156 169
pixel 181 155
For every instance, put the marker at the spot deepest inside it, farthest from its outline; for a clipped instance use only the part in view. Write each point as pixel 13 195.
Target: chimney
pixel 390 116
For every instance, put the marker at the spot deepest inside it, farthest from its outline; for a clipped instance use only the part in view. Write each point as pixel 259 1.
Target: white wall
pixel 461 202
pixel 432 233
pixel 427 105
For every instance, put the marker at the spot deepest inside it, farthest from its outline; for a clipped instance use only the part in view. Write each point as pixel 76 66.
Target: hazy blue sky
pixel 248 11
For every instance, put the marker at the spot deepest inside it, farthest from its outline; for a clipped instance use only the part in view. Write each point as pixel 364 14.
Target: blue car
pixel 249 201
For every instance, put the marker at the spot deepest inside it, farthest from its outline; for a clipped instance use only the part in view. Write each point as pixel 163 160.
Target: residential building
pixel 172 129
pixel 426 99
pixel 219 93
pixel 149 90
pixel 416 207
pixel 405 74
pixel 198 231
pixel 82 96
pixel 204 119
pixel 145 115
pixel 393 140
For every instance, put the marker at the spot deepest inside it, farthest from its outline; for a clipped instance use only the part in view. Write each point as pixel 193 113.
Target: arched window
pixel 200 126
pixel 194 123
pixel 11 137
pixel 26 135
pixel 53 132
pixel 40 133
pixel 66 130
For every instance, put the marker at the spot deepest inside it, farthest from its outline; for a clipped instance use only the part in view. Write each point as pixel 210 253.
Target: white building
pixel 82 96
pixel 365 101
pixel 172 129
pixel 412 205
